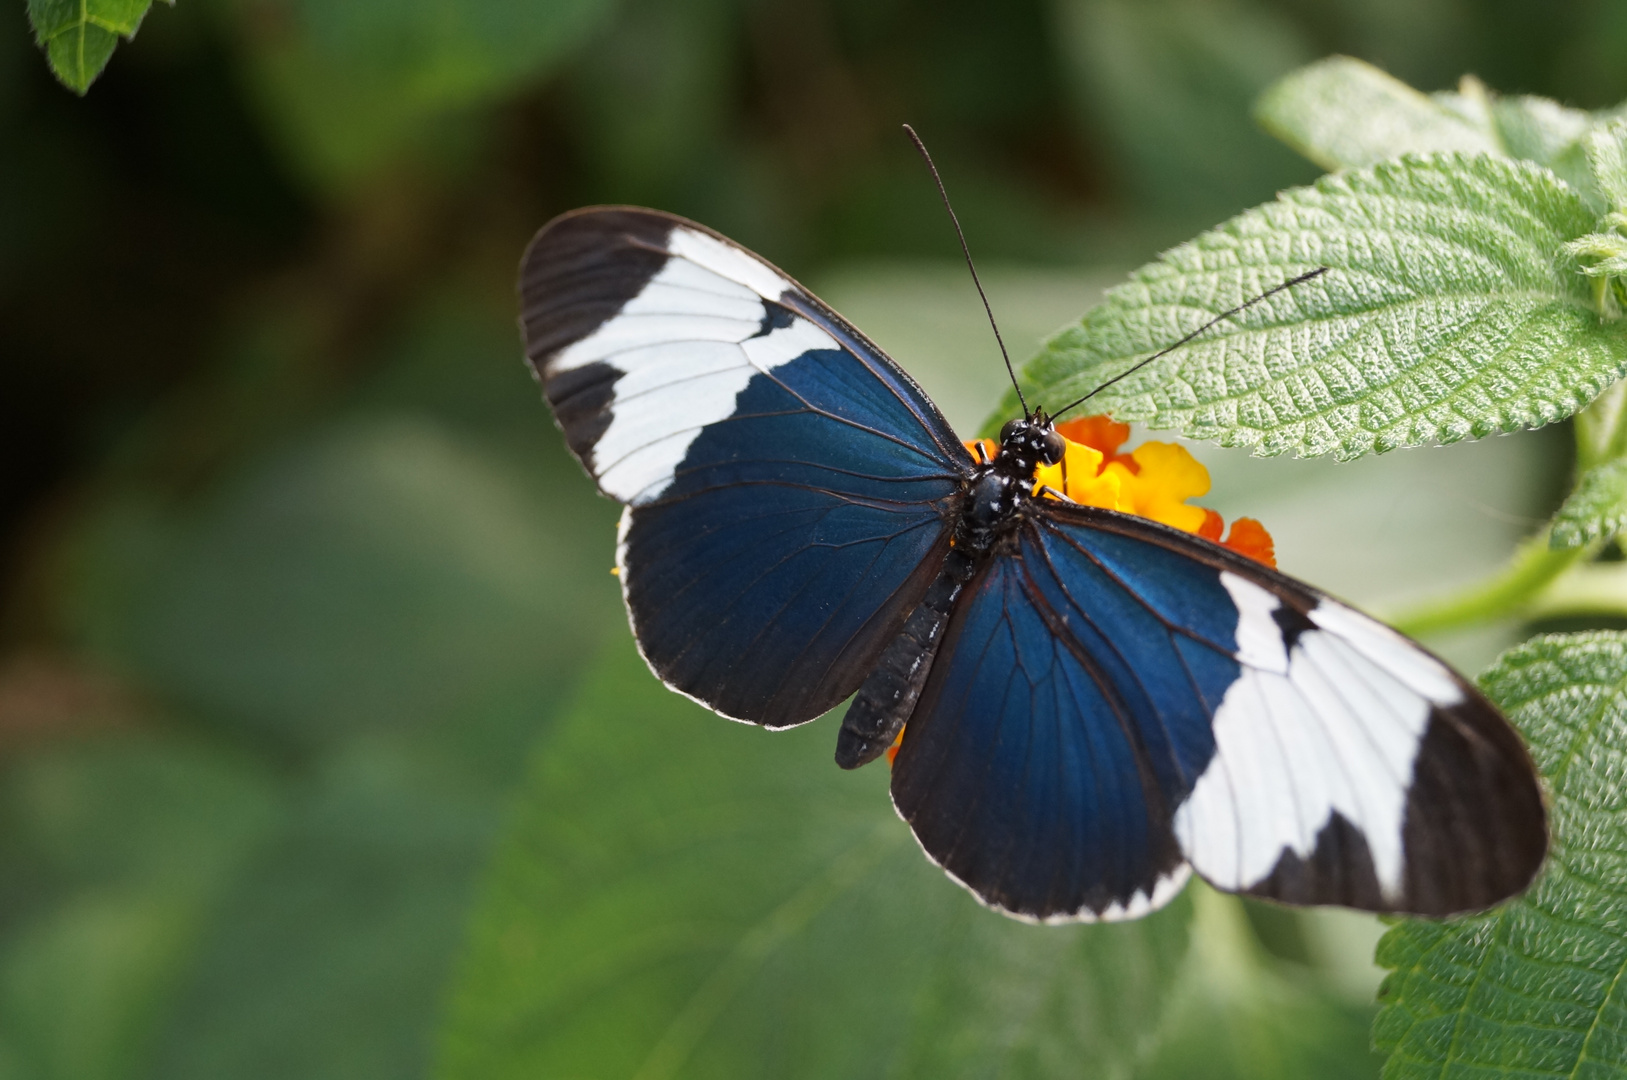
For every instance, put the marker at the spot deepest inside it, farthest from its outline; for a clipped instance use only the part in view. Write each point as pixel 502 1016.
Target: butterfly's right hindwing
pixel 1115 700
pixel 790 490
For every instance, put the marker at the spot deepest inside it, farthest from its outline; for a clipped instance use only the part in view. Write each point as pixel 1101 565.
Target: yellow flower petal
pixel 1076 476
pixel 1167 476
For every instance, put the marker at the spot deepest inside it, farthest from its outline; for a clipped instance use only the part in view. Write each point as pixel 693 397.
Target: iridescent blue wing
pixel 1115 701
pixel 790 491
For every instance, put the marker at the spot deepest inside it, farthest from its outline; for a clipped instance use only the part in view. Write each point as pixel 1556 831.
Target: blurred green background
pixel 322 749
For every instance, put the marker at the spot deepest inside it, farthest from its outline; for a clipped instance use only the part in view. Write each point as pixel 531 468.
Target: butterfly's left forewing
pixel 1157 700
pixel 790 491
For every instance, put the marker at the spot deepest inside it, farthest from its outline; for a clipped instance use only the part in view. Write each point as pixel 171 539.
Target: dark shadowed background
pixel 308 646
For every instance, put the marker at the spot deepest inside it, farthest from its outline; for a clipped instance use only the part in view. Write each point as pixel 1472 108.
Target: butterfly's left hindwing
pixel 790 490
pixel 1115 699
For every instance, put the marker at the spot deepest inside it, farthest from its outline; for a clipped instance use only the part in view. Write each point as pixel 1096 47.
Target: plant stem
pixel 1508 592
pixel 1593 589
pixel 1600 433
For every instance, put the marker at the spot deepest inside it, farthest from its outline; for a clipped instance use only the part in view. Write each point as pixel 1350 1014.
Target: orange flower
pixel 1098 433
pixel 1250 538
pixel 1154 481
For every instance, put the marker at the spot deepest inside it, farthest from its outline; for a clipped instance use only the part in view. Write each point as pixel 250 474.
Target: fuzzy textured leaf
pixel 682 896
pixel 1550 134
pixel 1534 989
pixel 1595 510
pixel 1606 148
pixel 1343 113
pixel 78 36
pixel 1449 311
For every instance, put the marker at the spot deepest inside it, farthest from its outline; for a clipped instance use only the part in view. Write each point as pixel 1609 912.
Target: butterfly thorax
pixel 999 488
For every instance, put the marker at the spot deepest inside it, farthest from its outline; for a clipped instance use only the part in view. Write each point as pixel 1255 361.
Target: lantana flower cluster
pixel 1154 480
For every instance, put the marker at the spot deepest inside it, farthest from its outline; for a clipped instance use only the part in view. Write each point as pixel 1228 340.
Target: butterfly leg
pixel 888 696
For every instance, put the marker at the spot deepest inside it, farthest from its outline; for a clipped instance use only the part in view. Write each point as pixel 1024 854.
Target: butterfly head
pixel 1028 443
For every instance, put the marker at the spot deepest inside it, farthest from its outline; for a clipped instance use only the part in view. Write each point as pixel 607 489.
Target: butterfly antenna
pixel 1222 317
pixel 921 146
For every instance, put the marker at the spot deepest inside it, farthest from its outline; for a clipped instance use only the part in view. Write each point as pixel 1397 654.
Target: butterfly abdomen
pixel 889 694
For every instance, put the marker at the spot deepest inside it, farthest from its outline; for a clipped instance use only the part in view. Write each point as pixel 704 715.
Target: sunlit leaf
pixel 1342 113
pixel 1448 311
pixel 1606 150
pixel 683 896
pixel 1596 509
pixel 1535 988
pixel 1550 134
pixel 79 36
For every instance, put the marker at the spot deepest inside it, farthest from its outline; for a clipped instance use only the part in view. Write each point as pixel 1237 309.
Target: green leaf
pixel 78 36
pixel 391 607
pixel 1234 1013
pixel 1606 147
pixel 329 957
pixel 1344 113
pixel 1449 311
pixel 1536 987
pixel 138 838
pixel 1550 134
pixel 382 575
pixel 1600 254
pixel 682 896
pixel 1596 510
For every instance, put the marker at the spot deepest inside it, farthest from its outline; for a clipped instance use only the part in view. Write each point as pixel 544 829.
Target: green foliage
pixel 1343 113
pixel 1602 255
pixel 680 896
pixel 384 608
pixel 1168 84
pixel 139 838
pixel 1449 312
pixel 1606 146
pixel 351 86
pixel 372 578
pixel 78 36
pixel 1596 510
pixel 1233 1013
pixel 327 956
pixel 1534 988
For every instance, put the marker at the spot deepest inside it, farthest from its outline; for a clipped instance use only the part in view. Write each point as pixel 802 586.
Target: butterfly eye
pixel 1009 430
pixel 1055 447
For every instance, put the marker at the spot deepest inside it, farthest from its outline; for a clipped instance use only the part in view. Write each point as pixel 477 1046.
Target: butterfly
pixel 1093 705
